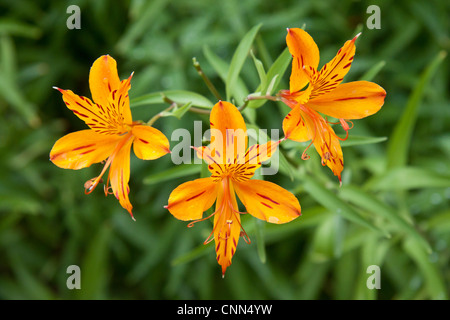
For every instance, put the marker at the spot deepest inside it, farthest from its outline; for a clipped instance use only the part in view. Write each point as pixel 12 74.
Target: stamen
pixel 108 190
pixel 242 234
pixel 305 156
pixel 191 224
pixel 90 185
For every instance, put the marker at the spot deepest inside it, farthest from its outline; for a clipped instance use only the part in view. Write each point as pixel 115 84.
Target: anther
pixel 90 185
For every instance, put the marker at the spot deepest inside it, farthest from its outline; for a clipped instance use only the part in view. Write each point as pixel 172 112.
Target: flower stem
pixel 208 82
pixel 173 104
pixel 250 97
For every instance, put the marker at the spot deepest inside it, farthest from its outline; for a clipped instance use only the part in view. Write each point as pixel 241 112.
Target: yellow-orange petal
pixel 80 149
pixel 149 142
pixel 189 200
pixel 259 153
pixel 97 117
pixel 119 103
pixel 353 100
pixel 332 73
pixel 325 141
pixel 227 224
pixel 119 173
pixel 304 52
pixel 294 127
pixel 103 79
pixel 206 154
pixel 267 201
pixel 228 131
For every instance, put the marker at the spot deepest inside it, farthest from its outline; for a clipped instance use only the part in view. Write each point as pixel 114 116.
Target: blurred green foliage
pixel 392 210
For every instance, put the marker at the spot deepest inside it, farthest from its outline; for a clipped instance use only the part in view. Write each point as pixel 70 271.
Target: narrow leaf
pixel 407 178
pixel 240 91
pixel 239 57
pixel 434 279
pixel 175 172
pixel 330 201
pixel 360 140
pixel 261 72
pixel 372 72
pixel 378 208
pixel 274 76
pixel 401 137
pixel 179 96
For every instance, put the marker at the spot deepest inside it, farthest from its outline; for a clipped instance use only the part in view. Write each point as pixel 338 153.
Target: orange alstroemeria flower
pixel 232 165
pixel 111 135
pixel 325 94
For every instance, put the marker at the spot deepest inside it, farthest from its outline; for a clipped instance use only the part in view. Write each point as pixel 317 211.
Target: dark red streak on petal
pixel 267 198
pixel 87 151
pixel 350 98
pixel 83 147
pixel 79 113
pixel 347 65
pixel 265 204
pixel 196 196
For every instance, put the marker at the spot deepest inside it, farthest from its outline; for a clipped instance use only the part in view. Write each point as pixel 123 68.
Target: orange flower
pixel 324 94
pixel 231 165
pixel 111 135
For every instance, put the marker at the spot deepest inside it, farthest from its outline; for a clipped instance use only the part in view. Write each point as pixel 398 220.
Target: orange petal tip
pixel 356 37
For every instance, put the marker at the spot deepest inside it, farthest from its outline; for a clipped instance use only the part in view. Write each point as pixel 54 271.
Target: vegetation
pixel 392 209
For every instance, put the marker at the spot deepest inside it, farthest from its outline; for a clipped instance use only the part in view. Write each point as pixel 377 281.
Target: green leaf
pixel 360 140
pixel 398 147
pixel 94 270
pixel 439 222
pixel 141 24
pixel 178 112
pixel 324 240
pixel 13 27
pixel 239 57
pixel 372 72
pixel 179 96
pixel 260 240
pixel 434 279
pixel 378 208
pixel 175 172
pixel 10 92
pixel 196 253
pixel 240 91
pixel 274 76
pixel 261 72
pixel 279 67
pixel 407 178
pixel 330 201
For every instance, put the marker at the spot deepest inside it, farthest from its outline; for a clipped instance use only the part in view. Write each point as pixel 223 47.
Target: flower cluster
pixel 231 161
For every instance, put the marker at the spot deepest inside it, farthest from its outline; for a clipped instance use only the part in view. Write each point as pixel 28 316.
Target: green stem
pixel 159 115
pixel 208 83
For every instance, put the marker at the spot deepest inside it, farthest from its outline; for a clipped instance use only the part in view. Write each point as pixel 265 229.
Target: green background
pixel 392 210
